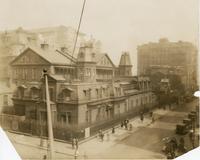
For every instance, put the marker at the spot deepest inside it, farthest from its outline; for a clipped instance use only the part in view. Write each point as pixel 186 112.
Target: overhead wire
pixel 78 29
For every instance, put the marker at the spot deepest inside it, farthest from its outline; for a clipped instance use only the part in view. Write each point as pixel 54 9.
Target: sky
pixel 121 25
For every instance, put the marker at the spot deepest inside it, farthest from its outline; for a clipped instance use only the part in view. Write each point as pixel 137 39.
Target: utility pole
pixel 49 117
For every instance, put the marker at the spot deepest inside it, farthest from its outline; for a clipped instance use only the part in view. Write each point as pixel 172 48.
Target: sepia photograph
pixel 99 79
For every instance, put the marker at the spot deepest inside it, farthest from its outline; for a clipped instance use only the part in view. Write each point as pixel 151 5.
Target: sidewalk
pixel 90 145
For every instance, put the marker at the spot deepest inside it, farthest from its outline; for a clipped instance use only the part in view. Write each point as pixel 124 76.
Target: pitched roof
pixel 100 55
pixel 50 55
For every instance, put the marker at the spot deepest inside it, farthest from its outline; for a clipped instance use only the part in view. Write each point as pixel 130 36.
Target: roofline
pixel 28 48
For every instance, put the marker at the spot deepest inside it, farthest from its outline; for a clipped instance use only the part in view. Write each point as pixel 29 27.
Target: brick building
pixel 169 58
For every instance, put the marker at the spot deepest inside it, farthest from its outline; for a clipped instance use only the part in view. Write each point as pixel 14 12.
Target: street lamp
pixel 49 116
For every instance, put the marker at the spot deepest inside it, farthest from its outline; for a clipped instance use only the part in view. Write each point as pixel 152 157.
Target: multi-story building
pixel 13 42
pixel 181 57
pixel 85 93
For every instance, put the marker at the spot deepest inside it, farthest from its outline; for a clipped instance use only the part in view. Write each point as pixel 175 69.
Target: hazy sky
pixel 121 25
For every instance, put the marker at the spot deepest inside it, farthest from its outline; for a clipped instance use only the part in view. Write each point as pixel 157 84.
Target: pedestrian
pixel 73 143
pixel 141 116
pixel 44 157
pixel 152 119
pixel 181 146
pixel 76 143
pixel 102 136
pixel 151 114
pixel 191 137
pixel 113 130
pixel 126 124
pixel 130 127
pixel 108 136
pixel 100 132
pixel 122 124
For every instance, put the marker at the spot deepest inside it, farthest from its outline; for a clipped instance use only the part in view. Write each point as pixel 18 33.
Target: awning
pixel 22 86
pixel 68 88
pixel 35 87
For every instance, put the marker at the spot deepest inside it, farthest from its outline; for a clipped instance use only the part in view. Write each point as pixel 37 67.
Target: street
pixel 145 141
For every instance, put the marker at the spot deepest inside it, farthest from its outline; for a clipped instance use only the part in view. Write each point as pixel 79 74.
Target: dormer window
pixel 34 92
pixel 81 55
pixel 93 55
pixel 20 91
pixel 66 94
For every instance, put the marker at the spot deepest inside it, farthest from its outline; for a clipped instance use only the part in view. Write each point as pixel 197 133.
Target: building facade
pixel 85 92
pixel 169 58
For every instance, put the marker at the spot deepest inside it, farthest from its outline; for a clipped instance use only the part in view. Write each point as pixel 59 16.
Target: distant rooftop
pixel 125 59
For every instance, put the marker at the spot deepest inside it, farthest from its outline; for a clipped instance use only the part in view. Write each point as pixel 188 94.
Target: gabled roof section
pixel 51 56
pixel 100 56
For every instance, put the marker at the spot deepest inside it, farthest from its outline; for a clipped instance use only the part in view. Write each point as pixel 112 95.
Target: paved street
pixel 147 142
pixel 144 141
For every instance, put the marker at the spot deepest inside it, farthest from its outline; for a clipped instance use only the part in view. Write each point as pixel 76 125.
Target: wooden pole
pixel 49 117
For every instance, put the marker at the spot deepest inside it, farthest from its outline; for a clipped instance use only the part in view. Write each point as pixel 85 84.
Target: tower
pixel 86 63
pixel 125 66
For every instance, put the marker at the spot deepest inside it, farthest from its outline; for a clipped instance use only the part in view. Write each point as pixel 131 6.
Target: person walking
pixel 126 124
pixel 100 132
pixel 76 143
pixel 122 124
pixel 130 127
pixel 141 116
pixel 108 136
pixel 44 157
pixel 152 119
pixel 113 130
pixel 73 143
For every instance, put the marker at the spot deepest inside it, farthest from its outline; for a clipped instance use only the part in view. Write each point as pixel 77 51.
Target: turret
pixel 125 66
pixel 86 61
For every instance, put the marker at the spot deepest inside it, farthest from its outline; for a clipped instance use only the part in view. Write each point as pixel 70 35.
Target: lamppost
pixel 49 116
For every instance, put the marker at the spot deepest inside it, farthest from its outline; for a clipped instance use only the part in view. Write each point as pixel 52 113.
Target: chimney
pixel 44 46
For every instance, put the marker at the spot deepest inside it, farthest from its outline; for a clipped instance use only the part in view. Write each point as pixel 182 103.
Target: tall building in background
pixel 13 42
pixel 169 58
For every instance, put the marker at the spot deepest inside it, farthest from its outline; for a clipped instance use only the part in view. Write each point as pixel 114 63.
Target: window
pixel 63 118
pixel 33 114
pixel 21 92
pixel 84 91
pixel 132 104
pixel 97 93
pixel 118 108
pixel 51 94
pixel 69 117
pixel 34 92
pixel 33 74
pixel 104 92
pixel 98 114
pixel 81 55
pixel 5 100
pixel 66 94
pixel 86 116
pixel 23 73
pixel 43 116
pixel 136 102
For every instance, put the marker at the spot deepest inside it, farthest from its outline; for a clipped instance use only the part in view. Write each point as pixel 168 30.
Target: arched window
pixel 20 91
